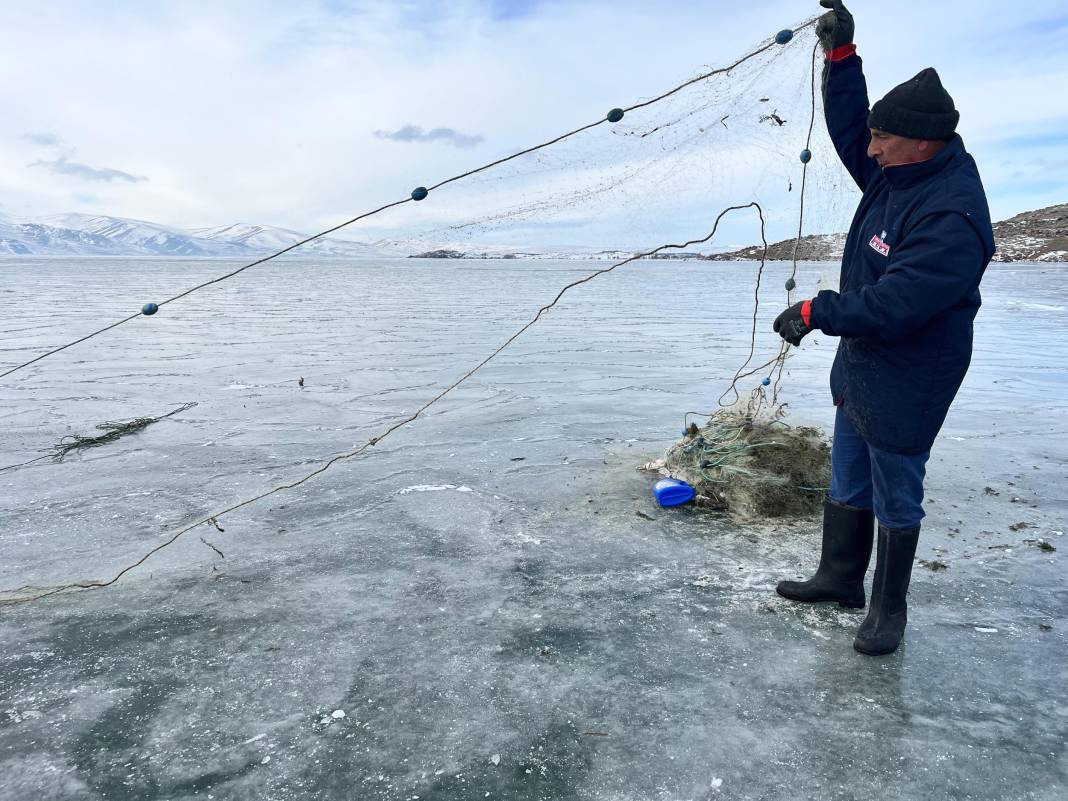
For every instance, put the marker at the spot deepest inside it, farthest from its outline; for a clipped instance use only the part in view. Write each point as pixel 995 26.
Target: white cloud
pixel 414 133
pixel 64 166
pixel 267 111
pixel 44 139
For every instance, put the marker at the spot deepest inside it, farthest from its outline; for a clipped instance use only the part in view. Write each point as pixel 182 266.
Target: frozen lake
pixel 490 595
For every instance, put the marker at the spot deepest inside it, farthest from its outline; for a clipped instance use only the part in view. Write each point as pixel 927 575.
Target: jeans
pixel 868 478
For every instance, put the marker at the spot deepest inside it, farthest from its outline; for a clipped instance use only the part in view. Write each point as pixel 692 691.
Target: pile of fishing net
pixel 754 466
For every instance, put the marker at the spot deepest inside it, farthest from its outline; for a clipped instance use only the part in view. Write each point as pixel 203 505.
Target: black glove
pixel 835 28
pixel 791 325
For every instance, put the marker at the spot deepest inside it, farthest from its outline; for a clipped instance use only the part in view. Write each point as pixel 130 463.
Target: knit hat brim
pixel 912 124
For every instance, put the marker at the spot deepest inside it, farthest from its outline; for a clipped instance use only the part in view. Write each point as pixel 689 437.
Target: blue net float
pixel 806 156
pixel 784 37
pixel 419 193
pixel 791 284
pixel 673 492
pixel 149 309
pixel 615 115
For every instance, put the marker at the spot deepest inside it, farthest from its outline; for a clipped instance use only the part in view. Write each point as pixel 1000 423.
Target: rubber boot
pixel 847 539
pixel 883 628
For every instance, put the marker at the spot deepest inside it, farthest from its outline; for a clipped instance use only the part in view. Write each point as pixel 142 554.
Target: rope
pixel 800 220
pixel 724 446
pixel 703 77
pixel 758 396
pixel 213 518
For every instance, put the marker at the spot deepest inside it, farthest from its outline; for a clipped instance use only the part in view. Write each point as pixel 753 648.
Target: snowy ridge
pixel 100 235
pixel 265 238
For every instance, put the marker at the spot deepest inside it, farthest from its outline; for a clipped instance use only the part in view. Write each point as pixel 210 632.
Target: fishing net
pixel 730 157
pixel 753 466
pixel 659 175
pixel 664 173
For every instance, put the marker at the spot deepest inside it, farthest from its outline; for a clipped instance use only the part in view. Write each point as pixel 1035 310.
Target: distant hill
pixel 815 247
pixel 1040 235
pixel 99 235
pixel 1034 236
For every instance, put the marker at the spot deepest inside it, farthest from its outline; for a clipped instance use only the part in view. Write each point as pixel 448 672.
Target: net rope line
pixel 800 223
pixel 778 363
pixel 13 595
pixel 703 77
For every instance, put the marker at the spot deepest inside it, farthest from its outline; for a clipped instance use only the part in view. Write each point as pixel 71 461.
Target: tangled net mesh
pixel 659 175
pixel 754 466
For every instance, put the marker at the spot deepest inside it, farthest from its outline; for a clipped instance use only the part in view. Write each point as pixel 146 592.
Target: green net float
pixel 615 115
pixel 791 284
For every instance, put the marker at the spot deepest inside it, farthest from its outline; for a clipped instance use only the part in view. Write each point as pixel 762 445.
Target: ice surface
pixel 533 638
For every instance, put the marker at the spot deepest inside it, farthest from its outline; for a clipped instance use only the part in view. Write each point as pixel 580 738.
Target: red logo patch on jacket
pixel 879 246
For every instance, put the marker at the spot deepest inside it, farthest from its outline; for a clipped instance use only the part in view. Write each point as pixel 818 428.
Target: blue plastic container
pixel 672 492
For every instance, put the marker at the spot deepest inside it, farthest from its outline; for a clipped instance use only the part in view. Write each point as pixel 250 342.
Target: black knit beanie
pixel 917 109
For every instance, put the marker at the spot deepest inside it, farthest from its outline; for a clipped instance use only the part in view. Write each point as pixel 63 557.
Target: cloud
pixel 512 9
pixel 62 166
pixel 42 138
pixel 413 133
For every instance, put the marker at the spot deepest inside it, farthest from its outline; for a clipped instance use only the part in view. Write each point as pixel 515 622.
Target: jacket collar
pixel 906 176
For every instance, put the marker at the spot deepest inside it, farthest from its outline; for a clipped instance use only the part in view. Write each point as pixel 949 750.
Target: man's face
pixel 891 150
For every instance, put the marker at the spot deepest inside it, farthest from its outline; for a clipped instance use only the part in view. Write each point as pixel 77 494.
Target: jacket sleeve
pixel 845 105
pixel 939 262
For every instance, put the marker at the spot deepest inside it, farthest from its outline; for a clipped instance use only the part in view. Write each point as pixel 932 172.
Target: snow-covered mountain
pixel 134 235
pixel 267 239
pixel 254 236
pixel 99 235
pixel 28 239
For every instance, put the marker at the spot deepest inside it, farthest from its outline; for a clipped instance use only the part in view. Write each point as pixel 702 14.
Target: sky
pixel 302 113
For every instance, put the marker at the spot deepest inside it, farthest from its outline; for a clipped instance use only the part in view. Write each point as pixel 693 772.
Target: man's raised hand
pixel 835 28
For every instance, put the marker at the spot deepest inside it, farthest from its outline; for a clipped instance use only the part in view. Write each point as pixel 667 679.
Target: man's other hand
pixel 835 28
pixel 794 323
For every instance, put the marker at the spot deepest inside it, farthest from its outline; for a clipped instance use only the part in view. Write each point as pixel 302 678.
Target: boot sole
pixel 872 652
pixel 841 603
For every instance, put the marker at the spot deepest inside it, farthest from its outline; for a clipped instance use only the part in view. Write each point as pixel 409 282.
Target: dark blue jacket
pixel 909 290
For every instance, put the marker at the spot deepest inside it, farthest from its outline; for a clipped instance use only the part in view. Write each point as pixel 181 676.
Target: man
pixel 908 293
